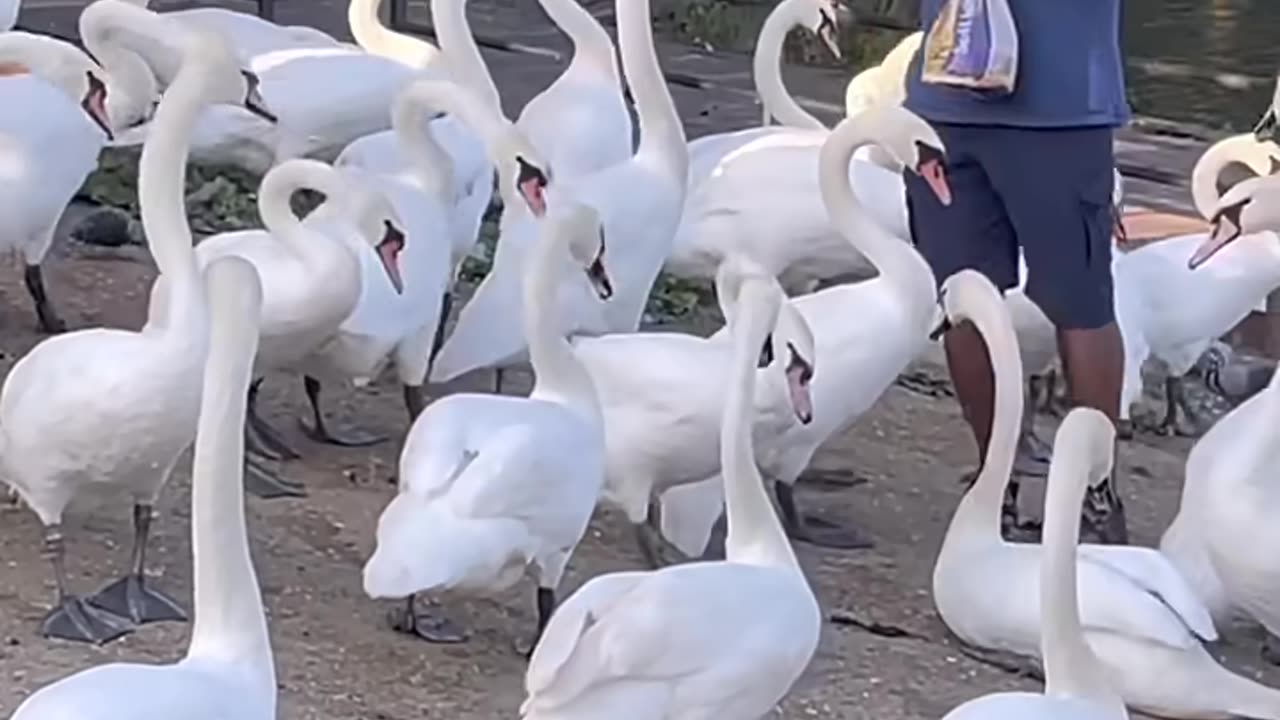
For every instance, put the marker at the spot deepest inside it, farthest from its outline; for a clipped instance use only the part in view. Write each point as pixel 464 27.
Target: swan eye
pixel 766 353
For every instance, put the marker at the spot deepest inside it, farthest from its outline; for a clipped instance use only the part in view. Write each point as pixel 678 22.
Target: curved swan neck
pixel 979 510
pixel 897 262
pixel 466 64
pixel 661 133
pixel 591 43
pixel 411 121
pixel 230 624
pixel 162 166
pixel 766 69
pixel 755 535
pixel 558 374
pixel 1071 668
pixel 276 191
pixel 1208 168
pixel 376 38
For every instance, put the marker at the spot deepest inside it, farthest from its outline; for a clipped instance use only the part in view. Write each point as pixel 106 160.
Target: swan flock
pixel 581 200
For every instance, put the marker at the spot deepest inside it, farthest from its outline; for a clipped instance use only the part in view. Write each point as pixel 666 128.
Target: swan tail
pixel 434 549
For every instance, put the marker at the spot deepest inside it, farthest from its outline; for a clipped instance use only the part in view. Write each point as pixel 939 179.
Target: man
pixel 1032 170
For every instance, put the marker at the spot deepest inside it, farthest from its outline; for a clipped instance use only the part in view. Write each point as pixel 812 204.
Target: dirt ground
pixel 335 655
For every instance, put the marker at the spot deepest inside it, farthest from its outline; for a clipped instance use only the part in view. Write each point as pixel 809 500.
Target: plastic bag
pixel 973 44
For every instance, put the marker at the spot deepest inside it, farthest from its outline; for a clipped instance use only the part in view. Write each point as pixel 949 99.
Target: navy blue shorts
pixel 1046 191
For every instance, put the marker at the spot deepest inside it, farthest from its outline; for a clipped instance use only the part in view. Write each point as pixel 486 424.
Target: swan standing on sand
pixel 491 484
pixel 116 408
pixel 1141 618
pixel 859 360
pixel 662 407
pixel 311 278
pixel 1076 687
pixel 404 326
pixel 710 639
pixel 228 671
pixel 54 125
pixel 639 203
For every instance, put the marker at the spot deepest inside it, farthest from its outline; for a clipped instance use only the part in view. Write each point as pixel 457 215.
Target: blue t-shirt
pixel 1070 72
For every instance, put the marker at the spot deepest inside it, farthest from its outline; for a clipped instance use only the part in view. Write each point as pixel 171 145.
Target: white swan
pixel 228 671
pixel 51 131
pixel 858 360
pixel 1139 615
pixel 713 640
pixel 249 34
pixel 403 326
pixel 1076 688
pixel 580 122
pixel 491 484
pixel 885 82
pixel 9 14
pixel 311 277
pixel 59 431
pixel 662 405
pixel 639 203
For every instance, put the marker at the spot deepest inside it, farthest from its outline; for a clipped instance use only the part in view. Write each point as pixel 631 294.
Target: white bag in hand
pixel 973 44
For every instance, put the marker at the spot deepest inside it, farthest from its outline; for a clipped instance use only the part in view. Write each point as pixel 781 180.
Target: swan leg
pixel 73 618
pixel 814 530
pixel 319 430
pixel 1271 649
pixel 415 401
pixel 409 620
pixel 830 479
pixel 1175 397
pixel 48 317
pixel 546 607
pixel 1032 458
pixel 1012 527
pixel 129 596
pixel 497 381
pixel 266 436
pixel 1009 662
pixel 437 342
pixel 261 481
pixel 1102 516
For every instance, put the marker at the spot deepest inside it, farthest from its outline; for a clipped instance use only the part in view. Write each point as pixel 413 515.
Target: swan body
pixel 712 639
pixel 54 125
pixel 1075 686
pixel 662 407
pixel 1140 618
pixel 639 203
pixel 580 122
pixel 490 484
pixel 228 671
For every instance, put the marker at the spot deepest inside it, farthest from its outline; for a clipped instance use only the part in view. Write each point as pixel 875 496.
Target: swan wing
pixel 695 628
pixel 1154 574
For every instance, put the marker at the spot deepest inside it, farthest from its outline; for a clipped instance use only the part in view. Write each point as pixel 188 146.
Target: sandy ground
pixel 336 658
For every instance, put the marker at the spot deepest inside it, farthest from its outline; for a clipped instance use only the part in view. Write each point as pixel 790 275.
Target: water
pixel 1209 62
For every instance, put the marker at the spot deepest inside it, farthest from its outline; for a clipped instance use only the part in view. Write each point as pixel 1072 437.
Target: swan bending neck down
pixel 744 628
pixel 378 39
pixel 1260 157
pixel 228 670
pixel 766 71
pixel 1076 688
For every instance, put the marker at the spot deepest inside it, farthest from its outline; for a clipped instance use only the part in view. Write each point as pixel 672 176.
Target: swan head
pixel 379 224
pixel 521 173
pixel 1248 207
pixel 581 226
pixel 964 294
pixel 912 142
pixel 226 81
pixel 1265 130
pixel 62 65
pixel 404 537
pixel 793 340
